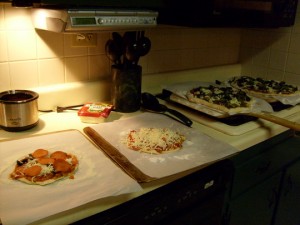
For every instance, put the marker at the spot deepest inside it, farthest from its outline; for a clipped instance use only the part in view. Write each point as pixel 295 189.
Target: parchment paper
pixel 288 100
pixel 97 177
pixel 198 149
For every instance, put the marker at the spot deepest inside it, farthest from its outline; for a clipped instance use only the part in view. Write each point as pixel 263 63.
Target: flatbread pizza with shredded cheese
pixel 154 140
pixel 42 167
pixel 226 99
pixel 266 89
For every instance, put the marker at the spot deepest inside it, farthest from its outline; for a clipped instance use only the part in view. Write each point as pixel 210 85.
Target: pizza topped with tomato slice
pixel 42 167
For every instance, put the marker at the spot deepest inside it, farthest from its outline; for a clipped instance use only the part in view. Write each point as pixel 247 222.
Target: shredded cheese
pixel 154 140
pixel 31 162
pixel 46 169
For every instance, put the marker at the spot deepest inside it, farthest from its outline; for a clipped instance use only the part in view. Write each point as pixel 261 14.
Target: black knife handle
pixel 180 116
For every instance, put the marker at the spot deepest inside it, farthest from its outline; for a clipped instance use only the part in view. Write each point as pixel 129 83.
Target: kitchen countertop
pixel 53 121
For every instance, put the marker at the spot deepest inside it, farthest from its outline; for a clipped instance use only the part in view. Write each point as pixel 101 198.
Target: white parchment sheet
pixel 198 149
pixel 97 177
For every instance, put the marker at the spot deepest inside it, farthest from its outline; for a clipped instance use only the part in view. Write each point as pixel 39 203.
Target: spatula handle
pixel 180 116
pixel 277 120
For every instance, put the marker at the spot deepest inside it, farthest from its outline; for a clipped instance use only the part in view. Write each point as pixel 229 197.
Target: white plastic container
pixel 94 112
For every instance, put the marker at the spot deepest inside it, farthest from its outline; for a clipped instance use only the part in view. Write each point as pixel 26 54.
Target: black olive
pixel 218 82
pixel 22 162
pixel 19 163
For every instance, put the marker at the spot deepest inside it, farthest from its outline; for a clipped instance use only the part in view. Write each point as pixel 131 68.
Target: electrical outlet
pixel 84 40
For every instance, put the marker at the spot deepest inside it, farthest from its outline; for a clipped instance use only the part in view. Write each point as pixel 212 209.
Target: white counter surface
pixel 53 121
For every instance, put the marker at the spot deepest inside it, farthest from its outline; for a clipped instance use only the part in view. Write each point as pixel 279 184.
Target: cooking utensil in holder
pixel 126 88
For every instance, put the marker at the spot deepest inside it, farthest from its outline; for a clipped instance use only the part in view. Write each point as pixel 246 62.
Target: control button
pixel 101 21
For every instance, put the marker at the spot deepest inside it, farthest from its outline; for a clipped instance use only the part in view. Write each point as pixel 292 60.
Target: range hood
pixel 92 20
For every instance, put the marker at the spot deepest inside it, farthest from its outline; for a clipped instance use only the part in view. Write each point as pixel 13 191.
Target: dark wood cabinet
pixel 256 206
pixel 266 184
pixel 288 211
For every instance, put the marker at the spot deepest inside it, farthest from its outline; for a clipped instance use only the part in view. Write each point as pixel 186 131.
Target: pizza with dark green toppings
pixel 221 98
pixel 264 88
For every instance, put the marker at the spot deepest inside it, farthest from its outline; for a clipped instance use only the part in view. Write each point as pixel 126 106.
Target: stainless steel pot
pixel 18 110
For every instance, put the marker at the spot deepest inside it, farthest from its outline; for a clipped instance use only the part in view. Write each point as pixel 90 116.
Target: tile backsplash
pixel 32 58
pixel 272 53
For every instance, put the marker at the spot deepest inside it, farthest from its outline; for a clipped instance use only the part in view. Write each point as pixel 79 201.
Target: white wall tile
pixel 17 18
pixel 293 65
pixel 99 67
pixel 275 74
pixel 281 41
pixel 229 54
pixel 278 60
pixel 165 60
pixel 102 38
pixel 292 78
pixel 1 17
pixel 284 46
pixel 296 27
pixel 166 39
pixel 4 77
pixel 24 74
pixel 49 44
pixel 69 50
pixel 3 47
pixel 295 44
pixel 76 69
pixel 51 71
pixel 259 71
pixel 21 45
pixel 261 56
pixel 201 57
pixel 188 59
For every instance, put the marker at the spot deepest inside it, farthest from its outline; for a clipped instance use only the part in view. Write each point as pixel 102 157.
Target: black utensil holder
pixel 126 88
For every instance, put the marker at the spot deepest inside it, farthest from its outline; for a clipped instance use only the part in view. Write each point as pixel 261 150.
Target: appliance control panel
pixel 92 20
pixel 89 18
pixel 113 21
